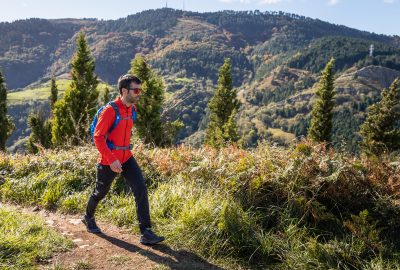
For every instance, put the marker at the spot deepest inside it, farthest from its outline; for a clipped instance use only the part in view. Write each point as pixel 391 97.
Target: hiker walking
pixel 111 129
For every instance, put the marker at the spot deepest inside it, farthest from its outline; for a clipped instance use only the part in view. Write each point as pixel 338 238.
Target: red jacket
pixel 119 136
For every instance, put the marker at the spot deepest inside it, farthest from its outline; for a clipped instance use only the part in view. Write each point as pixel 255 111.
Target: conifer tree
pixel 149 125
pixel 223 109
pixel 321 121
pixel 40 125
pixel 381 130
pixel 230 128
pixel 6 124
pixel 41 131
pixel 106 96
pixel 53 93
pixel 72 114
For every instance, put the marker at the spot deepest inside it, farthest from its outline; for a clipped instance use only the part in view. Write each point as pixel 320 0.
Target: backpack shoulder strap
pixel 134 115
pixel 117 115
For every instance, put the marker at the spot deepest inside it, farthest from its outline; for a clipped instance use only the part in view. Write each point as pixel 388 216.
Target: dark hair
pixel 125 80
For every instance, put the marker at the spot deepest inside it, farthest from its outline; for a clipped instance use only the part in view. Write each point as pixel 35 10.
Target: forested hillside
pixel 276 60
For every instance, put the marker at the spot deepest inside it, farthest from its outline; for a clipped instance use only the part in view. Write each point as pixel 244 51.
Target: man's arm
pixel 104 123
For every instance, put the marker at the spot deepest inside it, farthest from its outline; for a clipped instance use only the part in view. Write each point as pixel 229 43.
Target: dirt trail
pixel 115 248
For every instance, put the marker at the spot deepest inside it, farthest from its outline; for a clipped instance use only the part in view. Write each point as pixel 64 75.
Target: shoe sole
pixel 91 231
pixel 151 243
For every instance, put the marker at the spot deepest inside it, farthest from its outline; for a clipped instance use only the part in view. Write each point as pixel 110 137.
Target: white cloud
pixel 333 2
pixel 389 1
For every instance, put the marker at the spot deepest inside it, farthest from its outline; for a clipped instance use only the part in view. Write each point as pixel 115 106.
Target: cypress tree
pixel 381 130
pixel 149 125
pixel 321 121
pixel 53 93
pixel 223 109
pixel 6 124
pixel 230 128
pixel 72 114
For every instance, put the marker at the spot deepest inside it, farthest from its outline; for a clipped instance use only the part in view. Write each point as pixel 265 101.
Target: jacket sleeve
pixel 104 123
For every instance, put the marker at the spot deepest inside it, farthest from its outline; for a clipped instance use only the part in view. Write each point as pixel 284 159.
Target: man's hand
pixel 116 166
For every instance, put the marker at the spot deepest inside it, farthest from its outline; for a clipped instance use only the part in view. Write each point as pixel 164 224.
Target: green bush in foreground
pixel 25 241
pixel 302 208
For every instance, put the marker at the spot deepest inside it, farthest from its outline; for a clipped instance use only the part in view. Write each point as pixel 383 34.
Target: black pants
pixel 134 178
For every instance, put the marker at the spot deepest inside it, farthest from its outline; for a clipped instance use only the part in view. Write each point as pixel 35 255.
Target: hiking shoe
pixel 91 225
pixel 150 238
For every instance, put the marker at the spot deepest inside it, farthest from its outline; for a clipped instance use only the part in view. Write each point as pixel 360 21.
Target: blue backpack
pixel 116 121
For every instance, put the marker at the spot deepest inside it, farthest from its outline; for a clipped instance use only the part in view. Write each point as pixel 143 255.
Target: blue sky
pixel 379 16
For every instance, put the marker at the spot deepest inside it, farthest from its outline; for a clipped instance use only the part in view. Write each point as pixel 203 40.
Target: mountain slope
pixel 45 46
pixel 356 89
pixel 275 56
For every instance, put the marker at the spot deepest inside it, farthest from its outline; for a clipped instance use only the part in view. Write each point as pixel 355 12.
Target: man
pixel 118 158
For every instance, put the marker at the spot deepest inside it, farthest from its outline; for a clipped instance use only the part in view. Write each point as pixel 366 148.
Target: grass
pixel 119 259
pixel 25 241
pixel 42 92
pixel 269 207
pixel 82 265
pixel 57 266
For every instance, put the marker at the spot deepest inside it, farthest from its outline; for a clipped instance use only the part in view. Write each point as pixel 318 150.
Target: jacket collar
pixel 120 104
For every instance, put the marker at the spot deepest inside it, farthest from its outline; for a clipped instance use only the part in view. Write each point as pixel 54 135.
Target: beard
pixel 133 99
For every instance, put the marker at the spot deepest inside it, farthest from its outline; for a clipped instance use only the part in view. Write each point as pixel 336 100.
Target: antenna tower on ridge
pixel 371 50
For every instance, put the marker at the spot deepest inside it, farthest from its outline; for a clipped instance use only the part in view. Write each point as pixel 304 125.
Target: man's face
pixel 133 93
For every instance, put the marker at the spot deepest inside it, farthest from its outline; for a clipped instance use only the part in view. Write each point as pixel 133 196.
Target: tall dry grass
pixel 300 208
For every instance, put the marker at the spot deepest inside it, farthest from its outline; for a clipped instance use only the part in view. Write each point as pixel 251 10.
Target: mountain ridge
pixel 187 49
pixel 61 32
